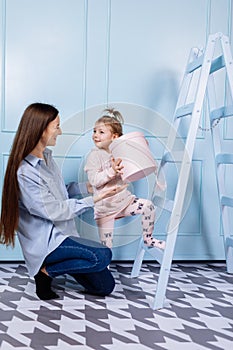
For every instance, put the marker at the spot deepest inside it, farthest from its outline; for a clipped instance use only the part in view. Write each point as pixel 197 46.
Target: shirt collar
pixel 33 160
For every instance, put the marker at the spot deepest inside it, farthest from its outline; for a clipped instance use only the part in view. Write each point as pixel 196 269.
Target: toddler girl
pixel 104 173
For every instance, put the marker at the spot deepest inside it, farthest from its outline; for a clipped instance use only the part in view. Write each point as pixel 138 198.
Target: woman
pixel 37 204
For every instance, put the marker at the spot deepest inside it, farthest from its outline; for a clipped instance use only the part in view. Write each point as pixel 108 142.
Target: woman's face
pixel 50 134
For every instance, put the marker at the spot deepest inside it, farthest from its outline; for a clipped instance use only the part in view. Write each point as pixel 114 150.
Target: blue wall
pixel 83 55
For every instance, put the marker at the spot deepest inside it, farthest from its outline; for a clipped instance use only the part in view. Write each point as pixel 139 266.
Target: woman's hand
pixel 109 193
pixel 89 187
pixel 117 166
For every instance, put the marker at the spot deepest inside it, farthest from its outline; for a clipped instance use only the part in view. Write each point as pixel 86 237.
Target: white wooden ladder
pixel 197 83
pixel 223 160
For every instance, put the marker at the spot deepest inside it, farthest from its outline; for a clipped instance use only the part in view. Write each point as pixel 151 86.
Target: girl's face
pixel 50 134
pixel 103 136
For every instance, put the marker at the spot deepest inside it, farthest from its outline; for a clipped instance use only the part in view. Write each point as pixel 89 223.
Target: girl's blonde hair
pixel 114 119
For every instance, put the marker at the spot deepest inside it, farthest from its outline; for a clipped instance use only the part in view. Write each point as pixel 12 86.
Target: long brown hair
pixel 34 121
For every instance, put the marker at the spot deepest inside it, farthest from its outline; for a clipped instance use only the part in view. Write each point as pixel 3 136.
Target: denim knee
pixel 104 256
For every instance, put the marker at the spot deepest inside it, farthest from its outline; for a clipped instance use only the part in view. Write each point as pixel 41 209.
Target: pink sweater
pixel 102 177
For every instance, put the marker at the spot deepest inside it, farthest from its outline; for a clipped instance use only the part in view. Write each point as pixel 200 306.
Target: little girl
pixel 104 173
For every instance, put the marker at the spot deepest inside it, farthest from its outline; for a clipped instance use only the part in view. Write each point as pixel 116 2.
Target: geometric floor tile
pixel 199 314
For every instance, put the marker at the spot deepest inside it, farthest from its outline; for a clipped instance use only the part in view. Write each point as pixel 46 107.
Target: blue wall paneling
pixel 83 55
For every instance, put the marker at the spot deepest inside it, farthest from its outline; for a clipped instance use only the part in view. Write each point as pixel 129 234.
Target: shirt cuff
pixel 88 201
pixel 111 173
pixel 75 189
pixel 83 187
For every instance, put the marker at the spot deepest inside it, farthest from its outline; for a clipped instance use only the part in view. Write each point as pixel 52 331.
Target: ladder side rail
pixel 226 232
pixel 184 176
pixel 138 259
pixel 185 86
pixel 216 144
pixel 228 61
pixel 219 168
pixel 225 209
pixel 216 137
pixel 212 104
pixel 186 82
pixel 172 232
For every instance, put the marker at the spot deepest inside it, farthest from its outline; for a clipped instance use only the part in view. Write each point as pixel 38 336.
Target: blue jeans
pixel 84 260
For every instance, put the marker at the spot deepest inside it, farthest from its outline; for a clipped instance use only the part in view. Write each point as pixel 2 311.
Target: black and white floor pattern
pixel 199 315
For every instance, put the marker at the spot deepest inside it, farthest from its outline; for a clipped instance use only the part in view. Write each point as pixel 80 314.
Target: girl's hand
pixel 117 166
pixel 109 193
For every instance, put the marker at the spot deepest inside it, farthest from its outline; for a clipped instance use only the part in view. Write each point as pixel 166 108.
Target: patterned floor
pixel 200 315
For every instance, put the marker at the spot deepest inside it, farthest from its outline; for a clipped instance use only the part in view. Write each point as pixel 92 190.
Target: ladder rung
pixel 155 252
pixel 229 241
pixel 224 158
pixel 184 110
pixel 221 112
pixel 197 63
pixel 216 64
pixel 161 202
pixel 227 201
pixel 174 157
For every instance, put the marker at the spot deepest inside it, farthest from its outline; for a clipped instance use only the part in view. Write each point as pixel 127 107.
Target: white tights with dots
pixel 139 206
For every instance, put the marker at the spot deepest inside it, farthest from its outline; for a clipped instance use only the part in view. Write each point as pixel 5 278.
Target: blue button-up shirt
pixel 46 209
